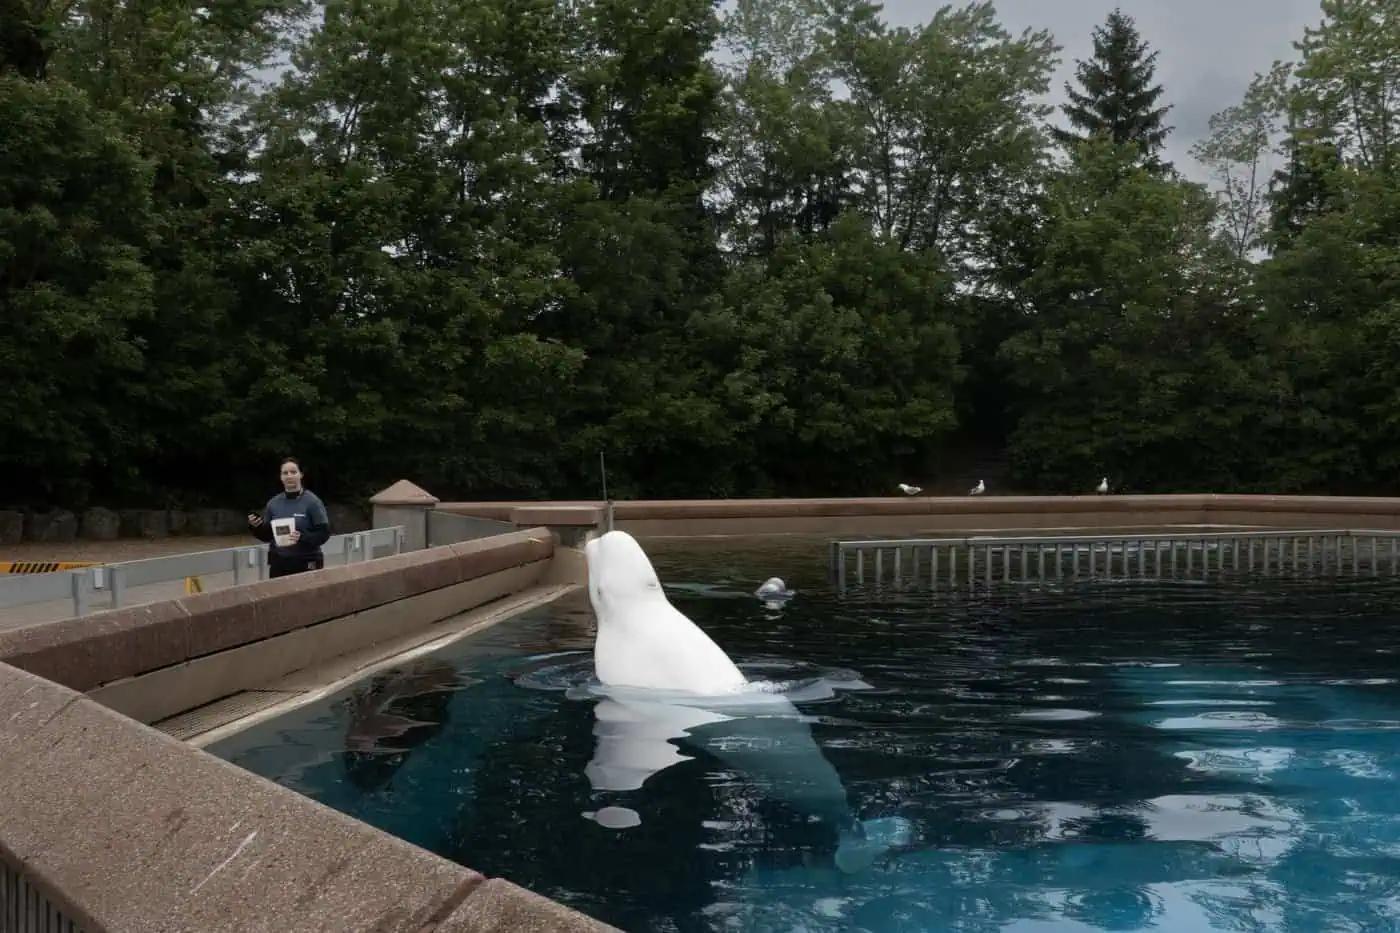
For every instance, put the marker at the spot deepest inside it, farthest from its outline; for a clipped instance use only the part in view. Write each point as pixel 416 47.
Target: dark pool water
pixel 1093 756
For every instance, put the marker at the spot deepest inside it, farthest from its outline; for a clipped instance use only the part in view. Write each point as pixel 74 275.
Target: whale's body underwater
pixel 664 680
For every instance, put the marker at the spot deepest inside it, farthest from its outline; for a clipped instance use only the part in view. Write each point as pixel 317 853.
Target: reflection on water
pixel 1104 757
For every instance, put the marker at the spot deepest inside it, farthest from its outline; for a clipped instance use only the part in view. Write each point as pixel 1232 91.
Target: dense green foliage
pixel 776 248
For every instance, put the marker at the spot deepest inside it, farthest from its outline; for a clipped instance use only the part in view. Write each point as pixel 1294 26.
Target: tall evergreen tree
pixel 1118 99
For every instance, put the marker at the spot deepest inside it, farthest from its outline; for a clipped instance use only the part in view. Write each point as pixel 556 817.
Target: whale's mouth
pixel 571 672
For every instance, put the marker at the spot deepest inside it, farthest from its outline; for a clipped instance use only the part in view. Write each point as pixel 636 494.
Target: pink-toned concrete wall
pixel 123 829
pixel 87 652
pixel 915 514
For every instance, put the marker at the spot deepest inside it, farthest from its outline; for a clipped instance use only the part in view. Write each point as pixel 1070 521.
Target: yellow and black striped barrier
pixel 43 566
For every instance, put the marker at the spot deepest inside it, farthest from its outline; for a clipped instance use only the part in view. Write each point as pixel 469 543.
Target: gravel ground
pixel 121 549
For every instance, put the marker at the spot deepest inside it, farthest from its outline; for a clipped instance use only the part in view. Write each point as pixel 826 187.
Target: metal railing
pixel 247 564
pixel 1173 555
pixel 24 908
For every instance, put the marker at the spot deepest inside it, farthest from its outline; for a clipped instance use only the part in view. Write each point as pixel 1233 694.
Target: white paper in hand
pixel 282 529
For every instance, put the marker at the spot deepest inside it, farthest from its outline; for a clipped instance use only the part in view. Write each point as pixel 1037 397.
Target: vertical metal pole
pixel 1059 561
pixel 860 566
pixel 1355 555
pixel 1006 563
pixel 879 565
pixel 933 564
pixel 1173 547
pixel 118 585
pixel 1142 558
pixel 80 580
pixel 1040 550
pixel 841 568
pixel 1312 554
pixel 987 555
pixel 607 500
pixel 1157 558
pixel 1375 547
pixel 897 568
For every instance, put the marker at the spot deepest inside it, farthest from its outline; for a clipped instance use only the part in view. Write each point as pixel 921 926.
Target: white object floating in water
pixel 774 588
pixel 910 490
pixel 1103 485
pixel 977 490
pixel 615 817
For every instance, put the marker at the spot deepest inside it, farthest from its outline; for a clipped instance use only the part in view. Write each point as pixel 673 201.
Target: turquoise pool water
pixel 1095 756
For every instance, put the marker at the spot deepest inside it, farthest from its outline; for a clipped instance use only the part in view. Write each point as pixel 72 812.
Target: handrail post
pixel 82 582
pixel 118 584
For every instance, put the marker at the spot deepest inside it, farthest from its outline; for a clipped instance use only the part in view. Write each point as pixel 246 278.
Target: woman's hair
pixel 286 460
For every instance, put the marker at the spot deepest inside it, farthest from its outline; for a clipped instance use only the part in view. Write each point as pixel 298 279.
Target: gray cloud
pixel 1209 49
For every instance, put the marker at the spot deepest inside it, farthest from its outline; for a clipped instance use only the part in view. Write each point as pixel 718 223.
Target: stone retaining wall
pixel 118 828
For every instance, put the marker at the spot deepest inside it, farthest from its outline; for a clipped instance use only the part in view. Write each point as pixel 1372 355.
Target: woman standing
pixel 294 524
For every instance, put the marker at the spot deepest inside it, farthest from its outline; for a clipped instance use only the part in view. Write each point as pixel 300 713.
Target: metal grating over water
pixel 24 909
pixel 189 724
pixel 1178 555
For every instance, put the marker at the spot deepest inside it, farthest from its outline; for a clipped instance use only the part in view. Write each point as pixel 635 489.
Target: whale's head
pixel 620 576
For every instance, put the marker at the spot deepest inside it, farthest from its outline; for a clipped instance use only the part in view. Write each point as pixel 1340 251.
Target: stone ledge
pixel 124 829
pixel 557 515
pixel 926 505
pixel 106 646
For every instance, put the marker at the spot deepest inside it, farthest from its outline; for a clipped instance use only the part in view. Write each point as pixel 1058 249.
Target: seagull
pixel 1103 485
pixel 977 490
pixel 910 490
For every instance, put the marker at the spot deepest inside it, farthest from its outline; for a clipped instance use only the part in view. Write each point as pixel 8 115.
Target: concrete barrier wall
pixel 117 827
pixel 913 514
pixel 219 642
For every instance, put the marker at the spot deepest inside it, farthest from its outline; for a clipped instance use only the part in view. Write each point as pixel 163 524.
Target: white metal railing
pixel 247 564
pixel 1188 554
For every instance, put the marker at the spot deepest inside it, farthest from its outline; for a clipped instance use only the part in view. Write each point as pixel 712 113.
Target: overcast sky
pixel 1209 49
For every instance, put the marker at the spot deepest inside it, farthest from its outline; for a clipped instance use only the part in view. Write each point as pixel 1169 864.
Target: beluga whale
pixel 662 680
pixel 644 641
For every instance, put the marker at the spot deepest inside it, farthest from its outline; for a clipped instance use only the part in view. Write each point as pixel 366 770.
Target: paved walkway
pixel 113 551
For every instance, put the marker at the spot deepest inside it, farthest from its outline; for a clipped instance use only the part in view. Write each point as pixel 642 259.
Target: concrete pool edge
pixel 127 828
pixel 108 817
pixel 312 684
